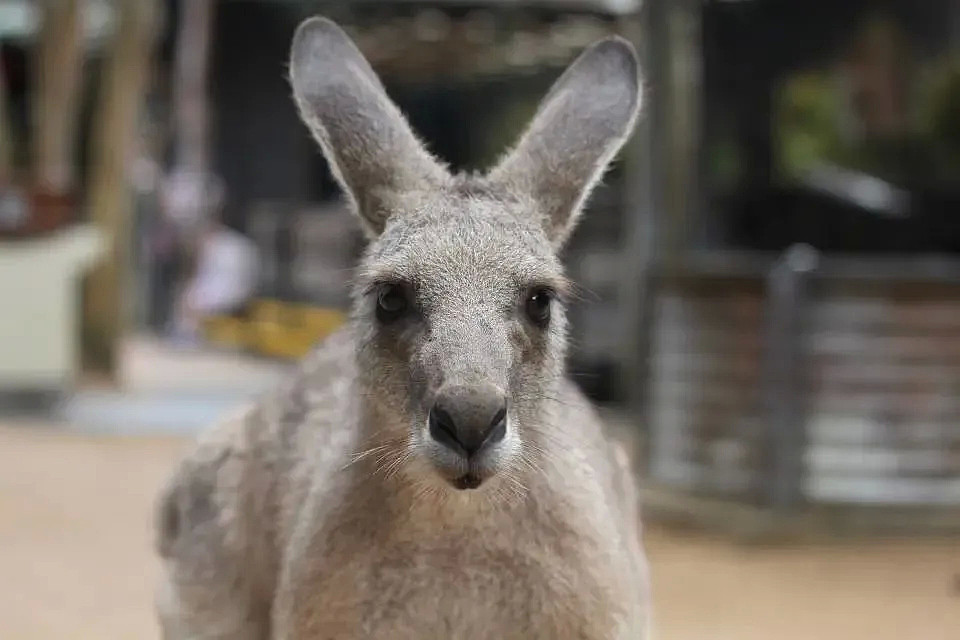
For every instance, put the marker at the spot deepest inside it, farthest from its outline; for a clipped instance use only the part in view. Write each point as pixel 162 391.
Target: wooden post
pixel 189 174
pixel 109 200
pixel 190 85
pixel 58 75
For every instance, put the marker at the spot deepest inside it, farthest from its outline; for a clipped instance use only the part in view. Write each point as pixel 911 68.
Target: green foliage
pixel 809 129
pixel 806 121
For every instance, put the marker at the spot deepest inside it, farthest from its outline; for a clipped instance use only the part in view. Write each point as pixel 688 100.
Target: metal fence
pixel 808 380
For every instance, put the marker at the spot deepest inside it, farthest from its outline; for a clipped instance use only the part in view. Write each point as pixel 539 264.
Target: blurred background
pixel 771 268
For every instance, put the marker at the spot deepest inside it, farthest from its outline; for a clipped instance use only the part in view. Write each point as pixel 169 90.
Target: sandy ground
pixel 75 560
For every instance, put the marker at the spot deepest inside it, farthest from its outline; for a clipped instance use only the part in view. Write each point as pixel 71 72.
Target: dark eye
pixel 538 306
pixel 391 303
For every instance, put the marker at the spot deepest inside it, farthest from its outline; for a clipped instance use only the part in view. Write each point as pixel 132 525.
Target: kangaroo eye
pixel 391 303
pixel 538 306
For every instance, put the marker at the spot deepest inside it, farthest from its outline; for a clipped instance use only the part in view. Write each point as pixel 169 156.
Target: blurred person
pixel 224 277
pixel 182 199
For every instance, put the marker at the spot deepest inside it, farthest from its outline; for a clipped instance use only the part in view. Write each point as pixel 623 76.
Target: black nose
pixel 466 419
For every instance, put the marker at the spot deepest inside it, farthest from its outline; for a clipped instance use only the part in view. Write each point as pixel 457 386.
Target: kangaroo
pixel 428 471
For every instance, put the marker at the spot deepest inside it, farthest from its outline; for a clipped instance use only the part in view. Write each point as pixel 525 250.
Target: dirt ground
pixel 75 560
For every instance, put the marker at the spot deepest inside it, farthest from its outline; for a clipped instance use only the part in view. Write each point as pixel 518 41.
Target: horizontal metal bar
pixel 754 265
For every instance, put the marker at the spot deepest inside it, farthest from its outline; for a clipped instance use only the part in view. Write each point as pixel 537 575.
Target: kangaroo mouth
pixel 467 481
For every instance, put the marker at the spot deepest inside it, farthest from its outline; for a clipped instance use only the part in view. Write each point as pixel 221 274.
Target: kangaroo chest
pixel 448 586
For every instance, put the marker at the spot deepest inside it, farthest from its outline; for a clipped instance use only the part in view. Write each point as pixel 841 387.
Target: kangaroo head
pixel 459 301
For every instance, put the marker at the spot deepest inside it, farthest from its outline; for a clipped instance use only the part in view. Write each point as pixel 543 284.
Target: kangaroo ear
pixel 370 147
pixel 580 125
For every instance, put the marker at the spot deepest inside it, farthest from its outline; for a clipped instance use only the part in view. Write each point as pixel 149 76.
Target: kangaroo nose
pixel 466 419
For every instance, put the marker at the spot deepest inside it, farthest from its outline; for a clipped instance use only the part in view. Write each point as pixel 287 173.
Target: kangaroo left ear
pixel 579 127
pixel 370 147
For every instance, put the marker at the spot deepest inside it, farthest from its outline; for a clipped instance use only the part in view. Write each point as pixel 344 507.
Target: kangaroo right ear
pixel 370 147
pixel 580 125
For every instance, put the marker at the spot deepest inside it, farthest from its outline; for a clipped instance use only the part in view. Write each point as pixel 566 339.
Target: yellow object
pixel 276 328
pixel 268 311
pixel 283 342
pixel 322 321
pixel 227 331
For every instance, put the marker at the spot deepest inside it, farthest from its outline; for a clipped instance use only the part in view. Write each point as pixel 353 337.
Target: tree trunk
pixel 189 176
pixel 109 198
pixel 190 85
pixel 58 76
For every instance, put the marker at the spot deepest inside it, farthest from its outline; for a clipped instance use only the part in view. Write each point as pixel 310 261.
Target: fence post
pixel 784 395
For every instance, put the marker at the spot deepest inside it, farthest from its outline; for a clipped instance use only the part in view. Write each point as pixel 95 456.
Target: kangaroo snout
pixel 468 419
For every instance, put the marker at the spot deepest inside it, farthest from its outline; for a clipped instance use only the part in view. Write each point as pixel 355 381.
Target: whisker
pixel 357 457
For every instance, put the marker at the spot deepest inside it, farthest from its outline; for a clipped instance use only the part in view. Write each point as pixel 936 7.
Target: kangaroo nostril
pixel 443 429
pixel 444 421
pixel 498 427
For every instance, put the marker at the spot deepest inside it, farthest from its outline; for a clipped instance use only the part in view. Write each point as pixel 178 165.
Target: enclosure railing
pixel 801 379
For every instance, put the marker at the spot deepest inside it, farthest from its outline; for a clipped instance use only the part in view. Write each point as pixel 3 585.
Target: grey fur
pixel 325 510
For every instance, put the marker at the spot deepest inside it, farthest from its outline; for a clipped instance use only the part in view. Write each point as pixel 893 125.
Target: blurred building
pixel 770 270
pixel 828 373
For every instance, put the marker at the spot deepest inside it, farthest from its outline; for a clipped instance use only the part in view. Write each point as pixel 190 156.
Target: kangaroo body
pixel 352 502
